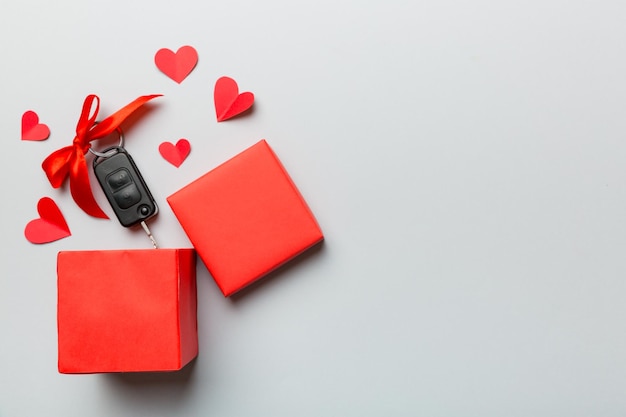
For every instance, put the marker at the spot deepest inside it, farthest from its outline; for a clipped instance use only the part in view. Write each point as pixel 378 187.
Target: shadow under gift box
pixel 126 310
pixel 245 218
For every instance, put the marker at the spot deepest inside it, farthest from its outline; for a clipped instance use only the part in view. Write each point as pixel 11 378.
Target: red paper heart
pixel 175 154
pixel 50 226
pixel 228 101
pixel 32 129
pixel 177 65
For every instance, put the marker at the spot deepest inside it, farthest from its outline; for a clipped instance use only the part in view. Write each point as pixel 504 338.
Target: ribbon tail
pixel 112 122
pixel 80 188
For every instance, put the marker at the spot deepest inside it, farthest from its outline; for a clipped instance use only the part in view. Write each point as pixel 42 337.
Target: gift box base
pixel 126 310
pixel 245 218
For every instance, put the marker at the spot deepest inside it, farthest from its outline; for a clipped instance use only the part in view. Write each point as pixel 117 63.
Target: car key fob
pixel 124 186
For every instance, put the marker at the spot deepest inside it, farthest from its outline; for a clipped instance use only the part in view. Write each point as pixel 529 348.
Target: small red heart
pixel 228 101
pixel 175 154
pixel 50 226
pixel 177 65
pixel 32 129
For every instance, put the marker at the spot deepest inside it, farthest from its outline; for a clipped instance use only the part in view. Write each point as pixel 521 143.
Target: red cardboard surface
pixel 245 218
pixel 126 310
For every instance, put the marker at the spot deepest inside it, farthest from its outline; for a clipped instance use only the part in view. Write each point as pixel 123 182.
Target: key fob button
pixel 118 179
pixel 127 196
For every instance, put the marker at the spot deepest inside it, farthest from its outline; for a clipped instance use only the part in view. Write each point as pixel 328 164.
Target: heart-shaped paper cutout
pixel 32 129
pixel 228 101
pixel 176 65
pixel 175 154
pixel 50 226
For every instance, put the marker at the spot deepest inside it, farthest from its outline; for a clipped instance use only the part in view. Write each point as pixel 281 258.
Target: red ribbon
pixel 70 160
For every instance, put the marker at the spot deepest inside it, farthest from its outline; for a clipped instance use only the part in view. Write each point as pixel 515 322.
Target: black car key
pixel 125 188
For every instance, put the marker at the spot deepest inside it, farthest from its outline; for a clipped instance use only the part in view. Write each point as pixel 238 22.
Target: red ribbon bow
pixel 70 160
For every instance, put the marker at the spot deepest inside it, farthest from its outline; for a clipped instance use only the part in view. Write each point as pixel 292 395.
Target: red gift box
pixel 126 310
pixel 245 218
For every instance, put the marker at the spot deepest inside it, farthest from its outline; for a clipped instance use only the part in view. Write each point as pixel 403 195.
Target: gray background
pixel 464 159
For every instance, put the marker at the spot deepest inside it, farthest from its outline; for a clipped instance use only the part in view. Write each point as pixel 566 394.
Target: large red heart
pixel 228 101
pixel 50 226
pixel 177 65
pixel 32 129
pixel 175 154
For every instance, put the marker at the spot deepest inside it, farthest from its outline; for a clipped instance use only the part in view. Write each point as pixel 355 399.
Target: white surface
pixel 464 159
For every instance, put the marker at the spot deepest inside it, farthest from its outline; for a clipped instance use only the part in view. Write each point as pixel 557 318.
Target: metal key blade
pixel 147 230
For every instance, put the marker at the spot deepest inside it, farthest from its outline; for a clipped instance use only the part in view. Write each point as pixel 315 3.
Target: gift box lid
pixel 245 218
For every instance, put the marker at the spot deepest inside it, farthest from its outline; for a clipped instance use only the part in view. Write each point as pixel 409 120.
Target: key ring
pixel 110 151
